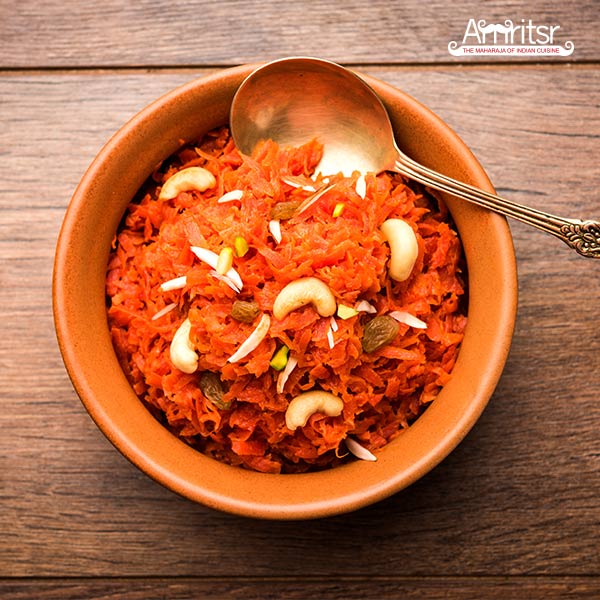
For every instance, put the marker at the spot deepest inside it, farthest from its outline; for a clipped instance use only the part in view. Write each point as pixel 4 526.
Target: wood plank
pixel 516 588
pixel 518 497
pixel 67 33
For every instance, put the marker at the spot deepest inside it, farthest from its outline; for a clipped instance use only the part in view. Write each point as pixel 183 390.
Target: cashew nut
pixel 403 246
pixel 307 290
pixel 182 352
pixel 192 178
pixel 304 405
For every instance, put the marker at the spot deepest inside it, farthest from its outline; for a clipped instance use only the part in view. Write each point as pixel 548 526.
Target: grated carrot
pixel 383 391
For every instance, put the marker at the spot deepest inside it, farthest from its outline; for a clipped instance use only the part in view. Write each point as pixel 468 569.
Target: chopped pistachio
pixel 338 209
pixel 280 358
pixel 240 245
pixel 346 312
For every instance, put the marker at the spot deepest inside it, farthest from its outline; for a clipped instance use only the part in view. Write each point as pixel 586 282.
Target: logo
pixel 508 38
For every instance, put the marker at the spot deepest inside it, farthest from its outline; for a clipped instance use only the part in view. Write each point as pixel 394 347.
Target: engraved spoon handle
pixel 581 236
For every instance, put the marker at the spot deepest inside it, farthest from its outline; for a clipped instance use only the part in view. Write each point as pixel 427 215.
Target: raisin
pixel 379 332
pixel 212 388
pixel 245 311
pixel 284 210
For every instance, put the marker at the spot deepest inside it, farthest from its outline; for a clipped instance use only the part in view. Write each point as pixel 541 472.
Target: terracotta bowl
pixel 81 323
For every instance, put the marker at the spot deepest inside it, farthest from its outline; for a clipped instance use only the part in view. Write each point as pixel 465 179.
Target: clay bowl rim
pixel 90 222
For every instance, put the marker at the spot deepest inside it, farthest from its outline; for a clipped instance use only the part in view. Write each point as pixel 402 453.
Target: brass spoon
pixel 294 100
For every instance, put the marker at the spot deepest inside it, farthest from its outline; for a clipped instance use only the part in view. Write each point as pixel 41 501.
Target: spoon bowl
pixel 294 100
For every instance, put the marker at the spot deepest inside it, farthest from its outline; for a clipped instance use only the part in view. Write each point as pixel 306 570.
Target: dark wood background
pixel 514 512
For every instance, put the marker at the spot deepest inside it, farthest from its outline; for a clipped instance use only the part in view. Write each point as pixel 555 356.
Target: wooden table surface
pixel 513 512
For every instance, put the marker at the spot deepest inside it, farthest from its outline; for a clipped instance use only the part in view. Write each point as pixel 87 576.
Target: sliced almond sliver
pixel 361 186
pixel 364 306
pixel 176 283
pixel 275 229
pixel 226 280
pixel 284 375
pixel 253 340
pixel 359 451
pixel 212 258
pixel 408 319
pixel 330 338
pixel 299 182
pixel 230 196
pixel 333 324
pixel 313 198
pixel 164 311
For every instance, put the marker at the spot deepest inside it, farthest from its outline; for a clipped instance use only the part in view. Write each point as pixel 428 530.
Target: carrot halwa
pixel 206 264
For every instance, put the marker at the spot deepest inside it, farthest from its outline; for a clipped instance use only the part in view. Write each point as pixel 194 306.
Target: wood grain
pixel 513 512
pixel 517 588
pixel 519 497
pixel 67 33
